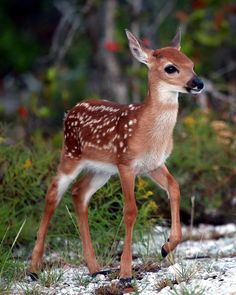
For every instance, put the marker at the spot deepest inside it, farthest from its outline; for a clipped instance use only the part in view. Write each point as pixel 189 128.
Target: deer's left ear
pixel 177 39
pixel 136 48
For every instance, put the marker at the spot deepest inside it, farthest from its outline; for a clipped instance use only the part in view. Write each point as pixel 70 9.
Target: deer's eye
pixel 170 69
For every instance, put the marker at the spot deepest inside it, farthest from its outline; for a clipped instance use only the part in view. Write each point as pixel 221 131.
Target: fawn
pixel 106 138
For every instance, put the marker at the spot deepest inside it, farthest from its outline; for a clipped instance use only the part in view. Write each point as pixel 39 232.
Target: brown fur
pixel 107 137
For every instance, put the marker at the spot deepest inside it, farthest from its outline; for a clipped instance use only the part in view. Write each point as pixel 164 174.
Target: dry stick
pixel 163 14
pixel 228 68
pixel 192 215
pixel 210 88
pixel 73 221
pixel 114 240
pixel 66 29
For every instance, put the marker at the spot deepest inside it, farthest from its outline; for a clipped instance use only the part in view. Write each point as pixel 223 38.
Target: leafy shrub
pixel 203 161
pixel 23 183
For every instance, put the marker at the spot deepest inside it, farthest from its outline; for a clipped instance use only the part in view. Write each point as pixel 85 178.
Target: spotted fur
pixel 104 138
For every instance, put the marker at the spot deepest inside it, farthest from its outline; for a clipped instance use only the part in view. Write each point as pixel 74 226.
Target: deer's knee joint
pixel 76 188
pixel 77 199
pixel 75 194
pixel 51 200
pixel 130 214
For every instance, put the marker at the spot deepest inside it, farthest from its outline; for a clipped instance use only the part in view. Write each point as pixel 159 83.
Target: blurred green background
pixel 56 53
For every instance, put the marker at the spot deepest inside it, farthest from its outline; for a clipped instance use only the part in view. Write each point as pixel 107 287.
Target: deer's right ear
pixel 176 41
pixel 137 50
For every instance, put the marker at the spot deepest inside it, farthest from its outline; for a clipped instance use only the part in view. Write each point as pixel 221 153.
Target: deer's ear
pixel 137 50
pixel 177 39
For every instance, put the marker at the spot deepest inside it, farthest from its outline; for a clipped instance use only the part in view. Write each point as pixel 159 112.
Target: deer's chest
pixel 156 145
pixel 149 161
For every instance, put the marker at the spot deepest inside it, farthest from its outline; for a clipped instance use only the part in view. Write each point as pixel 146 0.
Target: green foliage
pixel 19 46
pixel 26 173
pixel 203 163
pixel 49 278
pixel 186 290
pixel 23 185
pixel 10 268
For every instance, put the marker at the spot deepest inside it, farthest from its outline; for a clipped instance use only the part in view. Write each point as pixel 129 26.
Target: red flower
pixel 199 4
pixel 22 112
pixel 230 7
pixel 181 15
pixel 146 42
pixel 218 19
pixel 112 46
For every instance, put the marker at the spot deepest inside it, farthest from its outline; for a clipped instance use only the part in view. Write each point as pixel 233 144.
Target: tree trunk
pixel 107 80
pixel 135 29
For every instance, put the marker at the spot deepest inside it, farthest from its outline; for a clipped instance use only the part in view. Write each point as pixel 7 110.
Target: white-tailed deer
pixel 106 138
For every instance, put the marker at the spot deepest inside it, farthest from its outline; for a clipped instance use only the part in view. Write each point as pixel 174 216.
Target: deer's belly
pixel 100 167
pixel 149 161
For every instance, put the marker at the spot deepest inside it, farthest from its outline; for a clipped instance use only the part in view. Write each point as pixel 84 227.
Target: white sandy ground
pixel 206 266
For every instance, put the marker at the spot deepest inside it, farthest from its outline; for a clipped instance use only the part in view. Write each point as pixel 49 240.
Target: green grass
pixel 185 273
pixel 10 268
pixel 31 290
pixel 82 279
pixel 27 168
pixel 49 278
pixel 185 290
pixel 26 172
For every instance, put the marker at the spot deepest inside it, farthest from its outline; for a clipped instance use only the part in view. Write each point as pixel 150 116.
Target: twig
pixel 228 68
pixel 192 215
pixel 161 17
pixel 211 88
pixel 66 29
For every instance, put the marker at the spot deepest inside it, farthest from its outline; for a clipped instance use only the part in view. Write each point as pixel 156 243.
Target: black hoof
pixel 32 275
pixel 125 283
pixel 163 252
pixel 96 273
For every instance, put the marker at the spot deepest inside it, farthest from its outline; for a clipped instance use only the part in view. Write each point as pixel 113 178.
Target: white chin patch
pixel 195 91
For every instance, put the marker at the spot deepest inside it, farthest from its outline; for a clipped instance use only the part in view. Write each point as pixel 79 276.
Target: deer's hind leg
pixel 82 191
pixel 67 172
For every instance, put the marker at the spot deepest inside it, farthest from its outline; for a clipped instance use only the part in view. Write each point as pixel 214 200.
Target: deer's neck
pixel 159 95
pixel 160 109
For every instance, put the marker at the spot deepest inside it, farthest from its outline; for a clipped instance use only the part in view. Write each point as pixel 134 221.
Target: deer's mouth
pixel 194 90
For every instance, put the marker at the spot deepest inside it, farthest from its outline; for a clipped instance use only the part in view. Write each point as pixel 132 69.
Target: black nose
pixel 195 82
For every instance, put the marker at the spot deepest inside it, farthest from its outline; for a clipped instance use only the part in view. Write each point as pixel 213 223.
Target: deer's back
pixel 104 134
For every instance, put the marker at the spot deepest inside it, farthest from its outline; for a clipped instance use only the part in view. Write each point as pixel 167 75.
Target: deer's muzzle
pixel 195 85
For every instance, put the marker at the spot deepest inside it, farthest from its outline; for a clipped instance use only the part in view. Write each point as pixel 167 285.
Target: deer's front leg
pixel 163 177
pixel 127 178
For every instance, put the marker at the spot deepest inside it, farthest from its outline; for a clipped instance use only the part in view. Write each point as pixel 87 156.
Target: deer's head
pixel 168 67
